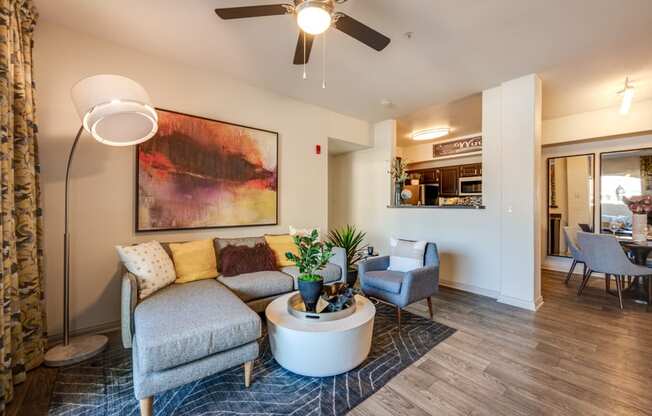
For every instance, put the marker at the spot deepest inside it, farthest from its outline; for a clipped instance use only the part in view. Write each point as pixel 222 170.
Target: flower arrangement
pixel 641 204
pixel 398 170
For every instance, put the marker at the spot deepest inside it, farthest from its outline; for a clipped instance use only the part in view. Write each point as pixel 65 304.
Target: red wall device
pixel 318 149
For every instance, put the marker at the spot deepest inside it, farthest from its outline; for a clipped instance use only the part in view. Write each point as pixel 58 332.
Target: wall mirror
pixel 570 198
pixel 623 174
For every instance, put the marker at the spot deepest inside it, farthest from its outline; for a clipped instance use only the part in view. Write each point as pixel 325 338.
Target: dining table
pixel 640 252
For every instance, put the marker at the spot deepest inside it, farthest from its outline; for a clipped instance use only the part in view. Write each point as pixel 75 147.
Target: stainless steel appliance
pixel 428 194
pixel 470 186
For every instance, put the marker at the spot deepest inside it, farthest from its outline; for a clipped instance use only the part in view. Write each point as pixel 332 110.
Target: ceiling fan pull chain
pixel 323 62
pixel 305 75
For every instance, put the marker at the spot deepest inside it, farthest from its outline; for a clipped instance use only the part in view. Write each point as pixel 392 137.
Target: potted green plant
pixel 351 240
pixel 313 256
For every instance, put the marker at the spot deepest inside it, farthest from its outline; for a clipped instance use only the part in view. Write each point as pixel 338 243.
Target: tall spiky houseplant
pixel 313 256
pixel 352 240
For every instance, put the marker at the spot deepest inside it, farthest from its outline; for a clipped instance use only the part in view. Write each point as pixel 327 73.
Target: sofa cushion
pixel 237 260
pixel 149 263
pixel 330 273
pixel 186 322
pixel 251 286
pixel 194 260
pixel 280 245
pixel 221 243
pixel 387 280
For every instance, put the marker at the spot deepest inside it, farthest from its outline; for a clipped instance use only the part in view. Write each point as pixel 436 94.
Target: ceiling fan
pixel 313 17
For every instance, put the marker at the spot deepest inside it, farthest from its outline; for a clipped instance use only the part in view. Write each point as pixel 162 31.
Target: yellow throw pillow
pixel 194 261
pixel 281 244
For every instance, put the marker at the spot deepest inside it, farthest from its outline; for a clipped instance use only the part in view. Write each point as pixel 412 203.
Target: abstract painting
pixel 202 173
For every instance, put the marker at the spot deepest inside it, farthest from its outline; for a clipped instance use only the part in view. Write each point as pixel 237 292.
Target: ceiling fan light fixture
pixel 314 18
pixel 430 134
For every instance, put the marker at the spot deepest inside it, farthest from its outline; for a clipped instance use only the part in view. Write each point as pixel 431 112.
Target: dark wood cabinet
pixel 471 170
pixel 448 181
pixel 447 177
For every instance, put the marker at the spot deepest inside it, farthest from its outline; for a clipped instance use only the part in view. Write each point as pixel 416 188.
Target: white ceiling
pixel 462 117
pixel 582 48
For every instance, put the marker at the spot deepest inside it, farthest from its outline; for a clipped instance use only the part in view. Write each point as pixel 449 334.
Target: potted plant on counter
pixel 351 240
pixel 313 257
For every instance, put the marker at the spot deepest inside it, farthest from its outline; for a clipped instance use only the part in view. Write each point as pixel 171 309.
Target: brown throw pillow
pixel 237 260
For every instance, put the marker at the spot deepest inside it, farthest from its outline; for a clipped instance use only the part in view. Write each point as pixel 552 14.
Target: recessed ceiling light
pixel 430 134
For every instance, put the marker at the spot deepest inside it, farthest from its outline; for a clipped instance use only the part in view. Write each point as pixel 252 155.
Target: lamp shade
pixel 115 110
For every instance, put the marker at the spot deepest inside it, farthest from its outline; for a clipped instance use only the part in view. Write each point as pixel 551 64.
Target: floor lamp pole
pixel 83 347
pixel 66 246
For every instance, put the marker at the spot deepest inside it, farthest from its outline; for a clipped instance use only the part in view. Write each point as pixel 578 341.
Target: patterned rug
pixel 103 386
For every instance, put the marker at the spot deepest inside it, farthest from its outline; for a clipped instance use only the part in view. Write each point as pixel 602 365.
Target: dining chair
pixel 603 253
pixel 570 237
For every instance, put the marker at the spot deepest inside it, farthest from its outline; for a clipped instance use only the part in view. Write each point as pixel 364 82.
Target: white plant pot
pixel 639 227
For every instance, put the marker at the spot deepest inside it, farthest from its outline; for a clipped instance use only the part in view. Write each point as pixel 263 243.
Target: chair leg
pixel 570 272
pixel 607 282
pixel 619 287
pixel 585 281
pixel 146 406
pixel 429 299
pixel 398 317
pixel 248 367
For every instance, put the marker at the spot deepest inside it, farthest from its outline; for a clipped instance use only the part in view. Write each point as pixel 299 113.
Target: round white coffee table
pixel 320 349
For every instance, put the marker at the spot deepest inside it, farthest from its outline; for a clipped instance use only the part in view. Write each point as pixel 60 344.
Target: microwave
pixel 470 186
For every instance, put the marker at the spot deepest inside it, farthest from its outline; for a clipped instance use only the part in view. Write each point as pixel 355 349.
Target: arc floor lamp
pixel 116 111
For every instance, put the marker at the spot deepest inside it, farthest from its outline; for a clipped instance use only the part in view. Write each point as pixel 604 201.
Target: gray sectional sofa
pixel 189 331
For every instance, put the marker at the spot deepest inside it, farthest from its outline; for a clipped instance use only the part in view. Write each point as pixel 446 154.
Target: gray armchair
pixel 401 288
pixel 603 253
pixel 570 236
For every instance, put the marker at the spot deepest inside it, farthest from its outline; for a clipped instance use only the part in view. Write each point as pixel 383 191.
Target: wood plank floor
pixel 575 356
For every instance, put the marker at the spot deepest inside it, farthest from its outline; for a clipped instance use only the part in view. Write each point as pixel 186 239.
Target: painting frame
pixel 138 226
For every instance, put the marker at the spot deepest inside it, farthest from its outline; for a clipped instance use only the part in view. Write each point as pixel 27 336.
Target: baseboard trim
pixel 520 303
pixel 96 329
pixel 470 288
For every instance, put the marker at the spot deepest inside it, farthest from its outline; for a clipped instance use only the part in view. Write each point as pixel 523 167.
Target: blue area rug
pixel 103 386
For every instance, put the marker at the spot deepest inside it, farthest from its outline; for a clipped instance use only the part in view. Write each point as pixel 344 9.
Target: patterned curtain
pixel 22 313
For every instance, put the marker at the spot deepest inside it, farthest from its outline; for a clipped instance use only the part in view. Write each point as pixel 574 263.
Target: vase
pixel 398 188
pixel 639 227
pixel 310 292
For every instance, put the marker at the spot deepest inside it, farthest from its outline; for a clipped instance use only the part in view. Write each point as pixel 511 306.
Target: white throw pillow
pixel 406 255
pixel 150 264
pixel 305 231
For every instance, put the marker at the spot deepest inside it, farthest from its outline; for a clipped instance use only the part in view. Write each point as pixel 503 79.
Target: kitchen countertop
pixel 437 206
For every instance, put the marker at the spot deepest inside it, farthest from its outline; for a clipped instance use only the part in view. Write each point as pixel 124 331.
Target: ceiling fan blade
pixel 361 32
pixel 254 11
pixel 298 53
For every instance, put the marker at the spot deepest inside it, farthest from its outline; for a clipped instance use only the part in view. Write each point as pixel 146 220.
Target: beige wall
pixel 598 124
pixel 102 199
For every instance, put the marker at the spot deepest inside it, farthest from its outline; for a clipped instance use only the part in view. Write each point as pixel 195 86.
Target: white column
pixel 520 159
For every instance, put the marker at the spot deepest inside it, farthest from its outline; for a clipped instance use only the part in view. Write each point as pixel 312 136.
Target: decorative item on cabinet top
pixel 466 146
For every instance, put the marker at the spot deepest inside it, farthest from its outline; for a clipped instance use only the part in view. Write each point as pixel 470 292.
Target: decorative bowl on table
pixel 336 302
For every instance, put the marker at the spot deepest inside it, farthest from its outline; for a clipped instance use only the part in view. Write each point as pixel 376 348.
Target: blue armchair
pixel 401 288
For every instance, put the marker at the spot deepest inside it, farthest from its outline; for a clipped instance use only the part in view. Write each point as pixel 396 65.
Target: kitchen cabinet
pixel 428 176
pixel 448 181
pixel 474 169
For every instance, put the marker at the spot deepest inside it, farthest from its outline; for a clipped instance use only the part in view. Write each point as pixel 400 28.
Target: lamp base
pixel 78 349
